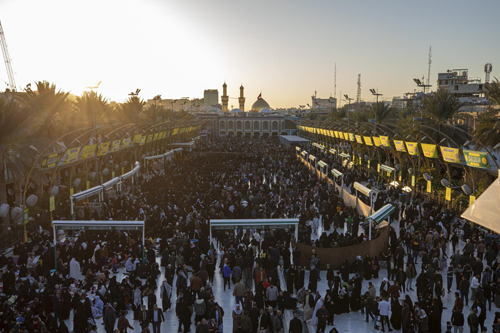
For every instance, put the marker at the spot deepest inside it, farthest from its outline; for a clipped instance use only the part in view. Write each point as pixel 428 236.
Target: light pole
pixel 421 84
pixel 375 93
pixel 156 98
pixel 348 109
pixel 132 95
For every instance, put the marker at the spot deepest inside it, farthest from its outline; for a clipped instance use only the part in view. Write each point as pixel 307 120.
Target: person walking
pixel 156 318
pixel 383 307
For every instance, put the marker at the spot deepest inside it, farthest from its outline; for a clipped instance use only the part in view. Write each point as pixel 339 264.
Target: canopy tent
pixel 345 155
pixel 297 148
pixel 293 140
pixel 485 211
pixel 333 151
pixel 111 183
pixel 319 146
pixel 97 225
pixel 369 193
pixel 237 224
pixel 190 144
pixel 87 193
pixel 304 154
pixel 382 214
pixel 313 159
pixel 388 169
pixel 324 166
pixel 336 173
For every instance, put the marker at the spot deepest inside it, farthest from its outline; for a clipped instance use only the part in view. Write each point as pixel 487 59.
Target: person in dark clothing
pixel 295 324
pixel 313 280
pixel 322 314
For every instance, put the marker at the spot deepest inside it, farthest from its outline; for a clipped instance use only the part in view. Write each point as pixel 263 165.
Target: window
pixel 456 87
pixel 480 87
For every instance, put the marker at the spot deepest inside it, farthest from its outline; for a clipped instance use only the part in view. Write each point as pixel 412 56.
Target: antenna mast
pixel 335 82
pixel 429 72
pixel 358 95
pixel 6 57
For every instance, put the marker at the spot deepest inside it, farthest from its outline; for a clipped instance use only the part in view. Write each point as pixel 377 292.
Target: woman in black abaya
pixel 344 270
pixel 367 267
pixel 396 315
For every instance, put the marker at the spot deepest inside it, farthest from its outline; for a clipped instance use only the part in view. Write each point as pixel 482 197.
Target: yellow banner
pixel 176 130
pixel 143 140
pixel 368 140
pixel 341 135
pixel 71 191
pixel 384 140
pixel 346 136
pixel 429 150
pixel 103 149
pixel 450 155
pixel 429 186
pixel 448 193
pixel 400 145
pixel 376 141
pixel 351 137
pixel 359 139
pixel 71 155
pixel 126 143
pixel 115 146
pixel 52 204
pixel 150 137
pixel 336 134
pixel 88 184
pixel 137 138
pixel 155 137
pixel 472 199
pixel 88 151
pixel 50 161
pixel 412 148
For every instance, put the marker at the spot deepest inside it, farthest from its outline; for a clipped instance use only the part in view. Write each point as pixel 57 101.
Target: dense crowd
pixel 177 203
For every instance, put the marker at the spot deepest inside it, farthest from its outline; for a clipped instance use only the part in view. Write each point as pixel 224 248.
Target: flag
pixel 260 96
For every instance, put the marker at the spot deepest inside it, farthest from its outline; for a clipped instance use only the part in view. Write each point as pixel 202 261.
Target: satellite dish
pixel 426 176
pixel 410 171
pixel 116 167
pixel 397 167
pixel 105 171
pixel 4 210
pixel 55 191
pixel 31 200
pixel 466 189
pixel 17 215
pixel 387 163
pixel 360 155
pixel 367 157
pixel 445 183
pixel 92 174
pixel 76 182
pixel 125 162
pixel 33 185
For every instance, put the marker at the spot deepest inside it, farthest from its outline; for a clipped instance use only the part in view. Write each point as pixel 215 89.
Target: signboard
pixel 472 199
pixel 359 139
pixel 71 155
pixel 137 138
pixel 429 186
pixel 384 140
pixel 368 140
pixel 448 193
pixel 103 149
pixel 52 204
pixel 150 137
pixel 377 141
pixel 400 145
pixel 126 143
pixel 430 151
pixel 100 227
pixel 412 148
pixel 115 146
pixel 378 167
pixel 476 159
pixel 155 136
pixel 450 155
pixel 50 161
pixel 88 151
pixel 413 181
pixel 143 140
pixel 351 137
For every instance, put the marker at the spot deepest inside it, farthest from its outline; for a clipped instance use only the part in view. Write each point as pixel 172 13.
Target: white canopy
pixel 485 211
pixel 87 193
pixel 111 183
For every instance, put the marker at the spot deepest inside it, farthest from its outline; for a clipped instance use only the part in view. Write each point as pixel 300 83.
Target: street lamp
pixel 156 98
pixel 375 93
pixel 135 94
pixel 348 108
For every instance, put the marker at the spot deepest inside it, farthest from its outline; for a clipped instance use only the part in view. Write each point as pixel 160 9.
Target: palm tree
pixel 48 106
pixel 383 113
pixel 16 156
pixel 493 91
pixel 93 108
pixel 488 128
pixel 132 108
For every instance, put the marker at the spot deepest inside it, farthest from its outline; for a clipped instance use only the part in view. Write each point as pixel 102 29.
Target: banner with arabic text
pixel 450 155
pixel 430 151
pixel 412 148
pixel 400 145
pixel 478 159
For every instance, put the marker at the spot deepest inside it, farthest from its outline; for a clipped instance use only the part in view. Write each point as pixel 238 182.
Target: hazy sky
pixel 286 49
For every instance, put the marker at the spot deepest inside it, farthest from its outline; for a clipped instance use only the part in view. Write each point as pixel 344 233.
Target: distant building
pixel 328 103
pixel 409 100
pixel 184 103
pixel 210 97
pixel 457 82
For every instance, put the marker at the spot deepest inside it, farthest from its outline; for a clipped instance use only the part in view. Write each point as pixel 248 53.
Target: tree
pixel 16 156
pixel 441 106
pixel 152 112
pixel 92 107
pixel 48 106
pixel 488 128
pixel 132 108
pixel 383 113
pixel 493 91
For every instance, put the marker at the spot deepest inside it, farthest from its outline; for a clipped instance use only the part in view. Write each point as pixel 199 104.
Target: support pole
pixel 297 233
pixel 55 247
pixel 143 232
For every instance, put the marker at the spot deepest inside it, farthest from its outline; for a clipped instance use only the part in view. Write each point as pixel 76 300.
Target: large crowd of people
pixel 106 280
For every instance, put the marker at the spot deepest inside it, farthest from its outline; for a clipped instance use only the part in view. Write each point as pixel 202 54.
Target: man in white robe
pixel 75 270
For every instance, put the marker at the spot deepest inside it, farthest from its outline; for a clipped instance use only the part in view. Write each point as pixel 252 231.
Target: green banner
pixel 476 159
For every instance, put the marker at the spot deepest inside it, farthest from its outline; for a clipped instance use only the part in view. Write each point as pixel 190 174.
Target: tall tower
pixel 241 100
pixel 224 97
pixel 358 95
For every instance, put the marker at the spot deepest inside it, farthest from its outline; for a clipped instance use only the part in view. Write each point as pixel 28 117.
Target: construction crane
pixel 358 95
pixel 6 57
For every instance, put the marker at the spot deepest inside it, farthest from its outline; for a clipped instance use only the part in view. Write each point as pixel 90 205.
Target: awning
pixel 382 214
pixel 87 193
pixel 111 183
pixel 312 157
pixel 130 173
pixel 178 149
pixel 363 189
pixel 154 157
pixel 304 153
pixel 337 173
pixel 345 155
pixel 485 211
pixel 317 145
pixel 322 164
pixel 386 168
pixel 333 151
pixel 297 148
